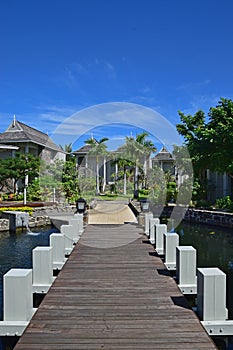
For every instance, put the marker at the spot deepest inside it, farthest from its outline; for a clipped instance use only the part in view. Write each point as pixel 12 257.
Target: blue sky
pixel 58 57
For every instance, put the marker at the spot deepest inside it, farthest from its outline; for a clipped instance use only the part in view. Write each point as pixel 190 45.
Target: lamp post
pixel 144 205
pixel 25 190
pixel 81 205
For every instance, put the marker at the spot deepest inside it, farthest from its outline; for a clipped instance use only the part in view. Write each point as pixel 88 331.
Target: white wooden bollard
pixel 160 230
pixel 79 217
pixel 68 232
pixel 152 223
pixel 42 269
pixel 57 242
pixel 186 269
pixel 17 302
pixel 171 242
pixel 211 301
pixel 148 216
pixel 211 294
pixel 76 233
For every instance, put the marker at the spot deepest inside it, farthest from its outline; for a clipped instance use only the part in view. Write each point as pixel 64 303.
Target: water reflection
pixel 16 252
pixel 214 249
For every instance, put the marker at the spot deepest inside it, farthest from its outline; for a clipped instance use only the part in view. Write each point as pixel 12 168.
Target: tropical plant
pixel 137 150
pixel 20 167
pixel 98 149
pixel 124 166
pixel 68 149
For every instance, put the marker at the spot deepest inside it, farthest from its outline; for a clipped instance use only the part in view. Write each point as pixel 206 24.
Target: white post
pixel 67 230
pixel 42 269
pixel 211 302
pixel 211 294
pixel 57 242
pixel 186 269
pixel 171 242
pixel 75 223
pixel 160 230
pixel 79 216
pixel 104 177
pixel 17 302
pixel 152 223
pixel 54 195
pixel 24 196
pixel 148 216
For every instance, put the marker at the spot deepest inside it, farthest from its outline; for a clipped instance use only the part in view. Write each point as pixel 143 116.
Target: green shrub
pixel 203 203
pixel 23 209
pixel 224 203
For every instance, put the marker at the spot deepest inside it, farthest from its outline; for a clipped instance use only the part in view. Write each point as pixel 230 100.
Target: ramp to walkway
pixel 119 298
pixel 109 212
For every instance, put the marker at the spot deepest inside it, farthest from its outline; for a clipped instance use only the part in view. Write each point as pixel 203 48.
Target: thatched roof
pixel 83 150
pixel 163 155
pixel 19 132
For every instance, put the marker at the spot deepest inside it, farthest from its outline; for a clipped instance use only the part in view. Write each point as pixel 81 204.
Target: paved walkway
pixel 111 212
pixel 114 293
pixel 119 298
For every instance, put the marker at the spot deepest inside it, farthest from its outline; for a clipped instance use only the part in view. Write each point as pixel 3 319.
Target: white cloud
pixel 201 102
pixel 117 113
pixel 193 85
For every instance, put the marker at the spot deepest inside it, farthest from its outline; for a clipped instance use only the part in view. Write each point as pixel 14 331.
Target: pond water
pixel 214 249
pixel 16 252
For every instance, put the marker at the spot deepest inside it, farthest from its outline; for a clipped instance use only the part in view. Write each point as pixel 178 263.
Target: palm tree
pixel 124 164
pixel 98 148
pixel 135 149
pixel 148 148
pixel 68 150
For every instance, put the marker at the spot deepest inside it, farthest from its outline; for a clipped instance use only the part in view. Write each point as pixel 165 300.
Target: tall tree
pixel 210 140
pixel 98 149
pixel 68 149
pixel 19 167
pixel 148 149
pixel 137 150
pixel 123 164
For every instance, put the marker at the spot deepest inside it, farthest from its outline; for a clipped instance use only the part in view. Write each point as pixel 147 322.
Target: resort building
pixel 25 139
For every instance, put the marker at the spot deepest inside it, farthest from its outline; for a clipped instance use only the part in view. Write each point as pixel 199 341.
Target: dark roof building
pixel 164 160
pixel 30 140
pixel 20 132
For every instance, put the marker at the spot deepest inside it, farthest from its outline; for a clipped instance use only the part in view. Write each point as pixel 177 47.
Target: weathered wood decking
pixel 114 298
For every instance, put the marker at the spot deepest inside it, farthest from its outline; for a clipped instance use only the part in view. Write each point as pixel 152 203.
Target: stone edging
pixel 209 217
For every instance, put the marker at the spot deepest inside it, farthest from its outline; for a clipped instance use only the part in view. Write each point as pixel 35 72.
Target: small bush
pixel 224 203
pixel 203 203
pixel 23 209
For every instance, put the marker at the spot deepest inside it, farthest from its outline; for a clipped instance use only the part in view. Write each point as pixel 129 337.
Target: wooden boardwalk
pixel 114 298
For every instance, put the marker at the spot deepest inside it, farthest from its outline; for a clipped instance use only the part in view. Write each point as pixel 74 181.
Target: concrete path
pixel 111 212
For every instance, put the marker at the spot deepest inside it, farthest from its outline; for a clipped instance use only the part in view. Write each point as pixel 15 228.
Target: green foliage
pixel 209 142
pixel 23 209
pixel 157 185
pixel 99 149
pixel 86 186
pixel 224 203
pixel 144 192
pixel 172 192
pixel 34 192
pixel 203 203
pixel 17 168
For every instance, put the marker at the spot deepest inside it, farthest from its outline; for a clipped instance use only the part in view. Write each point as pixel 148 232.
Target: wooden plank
pixel 115 298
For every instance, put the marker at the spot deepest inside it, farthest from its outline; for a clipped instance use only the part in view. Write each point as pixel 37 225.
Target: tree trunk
pixel 97 178
pixel 125 182
pixel 136 196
